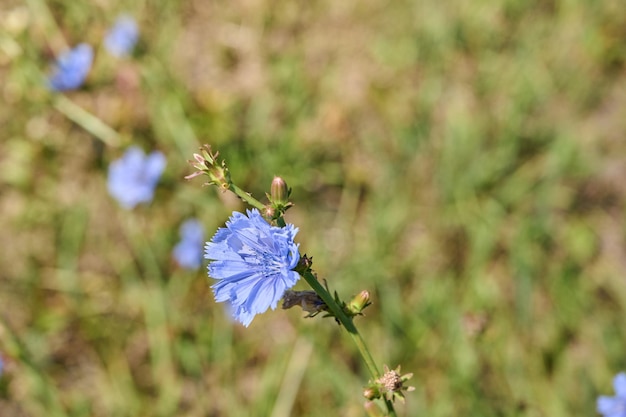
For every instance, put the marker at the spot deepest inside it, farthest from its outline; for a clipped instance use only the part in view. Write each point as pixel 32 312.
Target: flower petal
pixel 71 68
pixel 619 383
pixel 133 178
pixel 611 406
pixel 253 263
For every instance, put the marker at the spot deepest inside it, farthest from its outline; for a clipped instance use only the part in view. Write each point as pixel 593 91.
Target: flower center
pixel 270 265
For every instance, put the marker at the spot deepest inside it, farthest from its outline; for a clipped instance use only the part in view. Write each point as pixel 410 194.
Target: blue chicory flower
pixel 133 177
pixel 253 262
pixel 188 252
pixel 71 68
pixel 614 406
pixel 122 37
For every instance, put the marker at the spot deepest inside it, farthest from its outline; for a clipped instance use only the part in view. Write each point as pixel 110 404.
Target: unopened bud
pixel 359 302
pixel 206 163
pixel 371 393
pixel 279 191
pixel 304 264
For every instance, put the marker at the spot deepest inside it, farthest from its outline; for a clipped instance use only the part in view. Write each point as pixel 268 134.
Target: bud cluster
pixel 207 164
pixel 270 216
pixel 389 386
pixel 312 303
pixel 278 199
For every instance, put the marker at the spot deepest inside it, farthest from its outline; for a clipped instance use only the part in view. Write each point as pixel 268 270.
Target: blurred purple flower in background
pixel 188 252
pixel 122 37
pixel 614 406
pixel 71 68
pixel 133 177
pixel 253 262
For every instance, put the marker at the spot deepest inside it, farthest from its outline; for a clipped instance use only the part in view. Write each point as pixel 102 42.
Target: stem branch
pixel 350 327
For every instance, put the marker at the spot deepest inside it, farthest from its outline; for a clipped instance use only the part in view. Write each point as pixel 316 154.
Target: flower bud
pixel 279 192
pixel 359 302
pixel 391 384
pixel 304 264
pixel 371 392
pixel 207 164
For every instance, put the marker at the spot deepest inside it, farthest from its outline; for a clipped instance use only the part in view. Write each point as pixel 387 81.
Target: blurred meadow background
pixel 465 162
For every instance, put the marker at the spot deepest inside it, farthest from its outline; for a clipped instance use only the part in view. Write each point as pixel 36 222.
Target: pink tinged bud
pixel 194 175
pixel 358 303
pixel 198 158
pixel 205 163
pixel 279 191
pixel 371 393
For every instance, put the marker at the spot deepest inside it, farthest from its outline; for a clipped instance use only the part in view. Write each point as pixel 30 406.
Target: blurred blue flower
pixel 122 37
pixel 614 406
pixel 1 366
pixel 71 68
pixel 253 262
pixel 188 252
pixel 133 177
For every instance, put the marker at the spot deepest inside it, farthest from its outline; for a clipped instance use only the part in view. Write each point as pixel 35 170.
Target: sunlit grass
pixel 461 161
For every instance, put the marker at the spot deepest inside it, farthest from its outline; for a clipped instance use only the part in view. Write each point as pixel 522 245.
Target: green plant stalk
pixel 86 120
pixel 350 327
pixel 246 197
pixel 330 302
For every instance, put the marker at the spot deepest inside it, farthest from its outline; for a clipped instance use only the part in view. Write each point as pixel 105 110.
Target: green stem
pixel 350 327
pixel 246 197
pixel 330 302
pixel 87 121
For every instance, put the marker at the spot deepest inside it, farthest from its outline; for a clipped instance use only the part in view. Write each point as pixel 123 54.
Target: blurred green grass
pixel 462 161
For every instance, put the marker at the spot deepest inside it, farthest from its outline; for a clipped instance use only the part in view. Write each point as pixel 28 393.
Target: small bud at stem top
pixel 206 163
pixel 279 193
pixel 359 302
pixel 278 199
